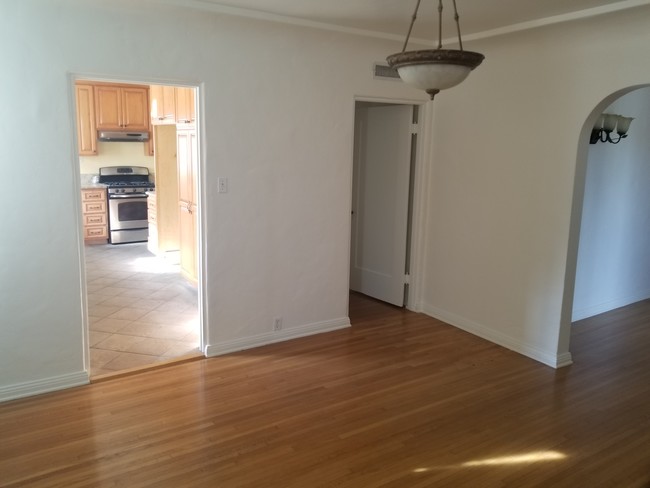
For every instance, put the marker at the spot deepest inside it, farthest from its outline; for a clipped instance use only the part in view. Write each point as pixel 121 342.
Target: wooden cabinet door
pixel 95 217
pixel 156 103
pixel 185 112
pixel 187 155
pixel 169 104
pixel 122 107
pixel 187 241
pixel 86 130
pixel 135 108
pixel 108 107
pixel 166 200
pixel 163 104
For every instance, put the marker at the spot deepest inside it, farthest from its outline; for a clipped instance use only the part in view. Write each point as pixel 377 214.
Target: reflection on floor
pixel 141 310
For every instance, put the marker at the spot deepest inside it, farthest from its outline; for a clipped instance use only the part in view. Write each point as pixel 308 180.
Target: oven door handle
pixel 127 195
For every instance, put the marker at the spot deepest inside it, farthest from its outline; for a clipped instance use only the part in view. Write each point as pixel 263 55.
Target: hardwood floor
pixel 398 400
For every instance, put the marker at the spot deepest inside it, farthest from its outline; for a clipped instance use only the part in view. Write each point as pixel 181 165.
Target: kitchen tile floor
pixel 141 311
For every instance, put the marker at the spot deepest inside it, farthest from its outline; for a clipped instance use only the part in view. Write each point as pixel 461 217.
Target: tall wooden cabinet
pixel 163 203
pixel 187 151
pixel 86 129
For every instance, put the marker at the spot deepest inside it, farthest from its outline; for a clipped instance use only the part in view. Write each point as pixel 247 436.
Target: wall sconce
pixel 606 124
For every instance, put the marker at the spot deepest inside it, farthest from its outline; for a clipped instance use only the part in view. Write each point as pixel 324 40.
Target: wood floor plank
pixel 398 400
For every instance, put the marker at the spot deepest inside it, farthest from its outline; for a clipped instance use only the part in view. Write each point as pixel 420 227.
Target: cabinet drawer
pixel 94 207
pixel 87 195
pixel 95 232
pixel 95 219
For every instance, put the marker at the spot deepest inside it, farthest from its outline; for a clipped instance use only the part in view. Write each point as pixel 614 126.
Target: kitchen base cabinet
pixel 95 218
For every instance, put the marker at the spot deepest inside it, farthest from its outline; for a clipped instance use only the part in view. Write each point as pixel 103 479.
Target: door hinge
pixel 415 128
pixel 407 279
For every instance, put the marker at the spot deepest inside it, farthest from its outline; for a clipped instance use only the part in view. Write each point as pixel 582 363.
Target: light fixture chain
pixel 439 24
pixel 415 15
pixel 457 19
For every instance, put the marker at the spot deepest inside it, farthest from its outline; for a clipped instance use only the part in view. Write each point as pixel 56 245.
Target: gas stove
pixel 129 188
pixel 127 202
pixel 124 176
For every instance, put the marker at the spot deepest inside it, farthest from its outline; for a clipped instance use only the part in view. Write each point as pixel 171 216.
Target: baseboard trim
pixel 590 311
pixel 30 388
pixel 552 360
pixel 273 337
pixel 563 360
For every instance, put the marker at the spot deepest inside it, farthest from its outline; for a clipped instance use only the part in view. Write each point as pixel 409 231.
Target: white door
pixel 380 201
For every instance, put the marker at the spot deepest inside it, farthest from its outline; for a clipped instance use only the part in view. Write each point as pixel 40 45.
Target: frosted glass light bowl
pixel 433 70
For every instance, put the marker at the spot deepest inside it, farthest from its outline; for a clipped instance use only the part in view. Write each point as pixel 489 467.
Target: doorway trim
pixel 421 171
pixel 201 235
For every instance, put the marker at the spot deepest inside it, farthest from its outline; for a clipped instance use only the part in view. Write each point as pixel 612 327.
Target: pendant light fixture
pixel 433 70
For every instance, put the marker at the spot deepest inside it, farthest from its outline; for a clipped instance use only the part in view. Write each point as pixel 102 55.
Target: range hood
pixel 119 136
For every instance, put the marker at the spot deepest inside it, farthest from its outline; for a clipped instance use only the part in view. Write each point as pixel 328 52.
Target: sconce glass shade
pixel 433 70
pixel 609 124
pixel 623 124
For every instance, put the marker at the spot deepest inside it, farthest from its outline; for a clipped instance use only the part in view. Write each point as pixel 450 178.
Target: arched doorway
pixel 600 271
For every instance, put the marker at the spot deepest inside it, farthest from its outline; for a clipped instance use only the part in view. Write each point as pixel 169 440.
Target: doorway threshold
pixel 193 356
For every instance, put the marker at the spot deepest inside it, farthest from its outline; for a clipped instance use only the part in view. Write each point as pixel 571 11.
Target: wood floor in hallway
pixel 397 400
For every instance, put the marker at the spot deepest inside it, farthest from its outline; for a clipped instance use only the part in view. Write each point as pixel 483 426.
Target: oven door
pixel 127 218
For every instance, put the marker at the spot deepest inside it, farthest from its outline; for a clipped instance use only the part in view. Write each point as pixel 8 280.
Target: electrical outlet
pixel 277 323
pixel 222 185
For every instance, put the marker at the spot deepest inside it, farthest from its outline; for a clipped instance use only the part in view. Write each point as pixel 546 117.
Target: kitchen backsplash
pixel 116 154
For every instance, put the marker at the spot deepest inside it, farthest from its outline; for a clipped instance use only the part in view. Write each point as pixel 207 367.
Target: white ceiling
pixel 392 17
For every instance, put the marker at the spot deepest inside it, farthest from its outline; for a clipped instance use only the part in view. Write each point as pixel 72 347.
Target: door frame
pixel 420 176
pixel 201 235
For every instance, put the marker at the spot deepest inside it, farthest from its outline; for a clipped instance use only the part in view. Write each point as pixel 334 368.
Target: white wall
pixel 278 109
pixel 505 150
pixel 614 258
pixel 278 112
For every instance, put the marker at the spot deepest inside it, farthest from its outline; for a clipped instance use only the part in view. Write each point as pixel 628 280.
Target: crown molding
pixel 556 19
pixel 211 6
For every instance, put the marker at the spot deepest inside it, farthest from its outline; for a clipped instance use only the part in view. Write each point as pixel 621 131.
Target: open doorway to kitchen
pixel 139 174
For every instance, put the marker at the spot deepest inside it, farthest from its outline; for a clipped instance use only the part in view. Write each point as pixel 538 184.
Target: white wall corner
pixel 563 359
pixel 273 337
pixel 548 358
pixel 45 385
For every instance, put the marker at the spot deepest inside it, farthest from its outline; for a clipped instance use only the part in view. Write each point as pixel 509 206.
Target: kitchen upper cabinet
pixel 119 107
pixel 163 104
pixel 86 129
pixel 185 111
pixel 171 105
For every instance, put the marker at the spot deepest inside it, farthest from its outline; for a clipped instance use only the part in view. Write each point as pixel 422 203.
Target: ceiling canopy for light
pixel 433 70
